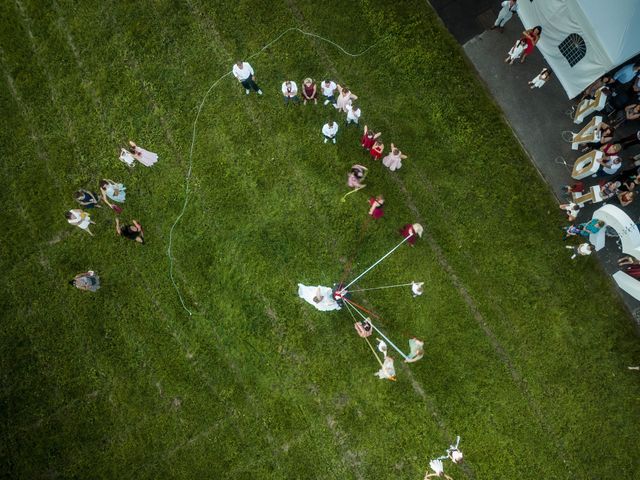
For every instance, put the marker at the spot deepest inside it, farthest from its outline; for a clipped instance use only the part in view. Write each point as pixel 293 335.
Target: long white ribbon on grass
pixel 193 140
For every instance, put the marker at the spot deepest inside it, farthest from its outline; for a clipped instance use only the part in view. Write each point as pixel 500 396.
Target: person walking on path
pixel 79 218
pixel 246 76
pixel 88 281
pixel 509 7
pixel 330 130
pixel 290 92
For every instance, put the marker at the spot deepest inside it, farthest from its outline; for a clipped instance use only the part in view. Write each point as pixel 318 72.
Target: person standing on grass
pixel 88 281
pixel 368 138
pixel 246 76
pixel 132 232
pixel 329 131
pixel 393 161
pixel 309 91
pixel 583 249
pixel 377 149
pixel 79 218
pixel 290 92
pixel 509 7
pixel 328 91
pixel 353 114
pixel 344 99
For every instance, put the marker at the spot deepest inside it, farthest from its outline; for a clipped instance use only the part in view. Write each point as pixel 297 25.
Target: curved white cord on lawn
pixel 193 141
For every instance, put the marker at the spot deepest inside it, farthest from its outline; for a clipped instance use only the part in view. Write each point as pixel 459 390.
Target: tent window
pixel 573 48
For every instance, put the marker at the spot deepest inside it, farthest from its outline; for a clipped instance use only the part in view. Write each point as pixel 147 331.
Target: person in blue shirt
pixel 627 73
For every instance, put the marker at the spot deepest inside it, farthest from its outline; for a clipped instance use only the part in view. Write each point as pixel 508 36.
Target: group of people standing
pixel 112 195
pixel 343 100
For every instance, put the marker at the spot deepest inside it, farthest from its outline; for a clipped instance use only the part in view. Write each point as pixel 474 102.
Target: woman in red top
pixel 369 138
pixel 377 207
pixel 377 149
pixel 531 37
pixel 309 91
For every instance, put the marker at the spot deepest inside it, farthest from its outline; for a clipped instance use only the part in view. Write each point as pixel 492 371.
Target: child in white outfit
pixel 516 51
pixel 540 79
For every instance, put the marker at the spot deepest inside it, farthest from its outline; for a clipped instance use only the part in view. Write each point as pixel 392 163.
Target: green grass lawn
pixel 526 351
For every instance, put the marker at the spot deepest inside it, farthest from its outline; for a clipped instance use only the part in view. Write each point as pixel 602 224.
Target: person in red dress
pixel 376 149
pixel 309 91
pixel 531 38
pixel 369 137
pixel 377 207
pixel 411 232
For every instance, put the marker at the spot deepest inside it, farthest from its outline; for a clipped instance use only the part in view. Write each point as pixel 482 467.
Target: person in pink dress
pixel 356 176
pixel 145 157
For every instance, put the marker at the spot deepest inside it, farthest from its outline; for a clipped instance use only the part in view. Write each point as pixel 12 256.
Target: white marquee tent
pixel 610 30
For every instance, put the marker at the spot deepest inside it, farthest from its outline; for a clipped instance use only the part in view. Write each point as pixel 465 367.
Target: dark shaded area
pixel 467 18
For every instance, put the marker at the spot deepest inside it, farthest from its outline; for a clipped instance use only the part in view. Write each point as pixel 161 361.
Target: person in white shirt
pixel 290 92
pixel 509 7
pixel 246 76
pixel 540 79
pixel 583 249
pixel 572 210
pixel 609 166
pixel 387 371
pixel 320 297
pixel 328 91
pixel 353 114
pixel 330 130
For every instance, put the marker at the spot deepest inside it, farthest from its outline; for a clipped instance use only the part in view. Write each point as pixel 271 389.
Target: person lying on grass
pixel 132 232
pixel 87 199
pixel 79 218
pixel 88 281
